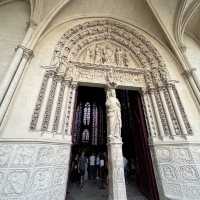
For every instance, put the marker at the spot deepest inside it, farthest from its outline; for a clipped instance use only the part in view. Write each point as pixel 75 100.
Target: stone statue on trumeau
pixel 114 115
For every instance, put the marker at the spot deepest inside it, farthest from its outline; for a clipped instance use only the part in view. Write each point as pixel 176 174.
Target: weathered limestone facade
pixel 119 44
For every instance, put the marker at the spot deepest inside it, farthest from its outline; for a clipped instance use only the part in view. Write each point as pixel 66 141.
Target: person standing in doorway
pixel 75 170
pixel 92 166
pixel 125 161
pixel 97 166
pixel 102 171
pixel 82 164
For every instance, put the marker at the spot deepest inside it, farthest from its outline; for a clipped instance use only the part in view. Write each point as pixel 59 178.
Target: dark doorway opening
pixel 88 169
pixel 139 168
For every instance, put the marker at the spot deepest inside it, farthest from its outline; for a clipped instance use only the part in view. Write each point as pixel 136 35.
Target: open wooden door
pixel 135 139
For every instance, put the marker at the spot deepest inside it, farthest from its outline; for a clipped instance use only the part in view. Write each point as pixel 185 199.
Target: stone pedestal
pixel 117 187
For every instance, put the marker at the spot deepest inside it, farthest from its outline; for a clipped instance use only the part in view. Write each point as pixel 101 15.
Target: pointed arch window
pixel 94 124
pixel 85 136
pixel 86 114
pixel 89 124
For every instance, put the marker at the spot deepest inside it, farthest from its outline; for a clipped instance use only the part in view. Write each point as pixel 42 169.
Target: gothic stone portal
pixel 112 54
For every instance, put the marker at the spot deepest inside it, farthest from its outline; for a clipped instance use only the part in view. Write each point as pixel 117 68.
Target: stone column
pixel 157 114
pixel 168 116
pixel 177 110
pixel 117 187
pixel 64 108
pixel 54 104
pixel 70 109
pixel 150 114
pixel 16 61
pixel 10 72
pixel 8 87
pixel 194 82
pixel 196 78
pixel 43 104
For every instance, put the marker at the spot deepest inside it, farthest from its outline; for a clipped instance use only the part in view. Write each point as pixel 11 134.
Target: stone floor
pixel 133 192
pixel 91 191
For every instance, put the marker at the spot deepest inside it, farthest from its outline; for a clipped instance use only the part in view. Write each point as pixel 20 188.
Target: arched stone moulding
pixel 103 51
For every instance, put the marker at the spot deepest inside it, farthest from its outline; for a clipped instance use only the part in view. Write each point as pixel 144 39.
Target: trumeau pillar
pixel 117 188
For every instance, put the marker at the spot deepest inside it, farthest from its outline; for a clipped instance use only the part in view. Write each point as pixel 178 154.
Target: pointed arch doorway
pixel 108 51
pixel 90 136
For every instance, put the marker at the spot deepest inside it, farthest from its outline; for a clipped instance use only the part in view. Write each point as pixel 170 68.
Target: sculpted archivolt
pixel 100 51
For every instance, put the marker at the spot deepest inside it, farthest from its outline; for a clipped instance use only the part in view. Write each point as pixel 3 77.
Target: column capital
pixel 73 84
pixel 50 73
pixel 188 72
pixel 171 83
pixel 150 90
pixel 32 23
pixel 183 48
pixel 26 52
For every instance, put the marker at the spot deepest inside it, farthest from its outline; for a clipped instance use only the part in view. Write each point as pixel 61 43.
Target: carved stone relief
pixel 41 179
pixel 168 172
pixel 24 156
pixel 16 182
pixel 189 173
pixel 164 155
pixel 105 52
pixel 191 192
pixel 173 191
pixel 5 151
pixel 33 171
pixel 179 171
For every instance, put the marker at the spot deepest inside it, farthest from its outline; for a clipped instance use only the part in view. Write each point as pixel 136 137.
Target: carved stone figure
pixel 98 55
pixel 109 55
pixel 89 57
pixel 56 60
pixel 114 115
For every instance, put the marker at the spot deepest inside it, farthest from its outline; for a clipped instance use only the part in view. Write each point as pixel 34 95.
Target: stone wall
pixel 33 171
pixel 178 167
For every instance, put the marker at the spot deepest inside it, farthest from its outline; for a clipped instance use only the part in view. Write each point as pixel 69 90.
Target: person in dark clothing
pixel 75 176
pixel 82 164
pixel 103 173
pixel 92 167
